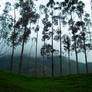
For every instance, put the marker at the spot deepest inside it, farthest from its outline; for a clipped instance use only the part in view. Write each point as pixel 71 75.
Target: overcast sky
pixel 87 8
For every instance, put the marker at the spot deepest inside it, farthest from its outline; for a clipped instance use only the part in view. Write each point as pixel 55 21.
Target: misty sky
pixel 81 55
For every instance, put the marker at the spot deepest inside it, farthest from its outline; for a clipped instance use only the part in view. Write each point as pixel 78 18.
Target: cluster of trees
pixel 65 22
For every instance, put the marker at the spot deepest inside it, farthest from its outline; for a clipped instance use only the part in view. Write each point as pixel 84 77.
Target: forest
pixel 46 39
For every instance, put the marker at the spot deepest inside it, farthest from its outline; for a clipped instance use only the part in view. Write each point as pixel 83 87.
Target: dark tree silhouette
pixel 8 30
pixel 36 39
pixel 80 13
pixel 27 14
pixel 45 34
pixel 13 42
pixel 60 20
pixel 70 7
pixel 51 5
pixel 67 47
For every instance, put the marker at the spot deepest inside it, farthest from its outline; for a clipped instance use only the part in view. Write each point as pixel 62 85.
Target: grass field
pixel 10 82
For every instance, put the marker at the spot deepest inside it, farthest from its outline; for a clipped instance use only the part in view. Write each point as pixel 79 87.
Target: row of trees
pixel 65 22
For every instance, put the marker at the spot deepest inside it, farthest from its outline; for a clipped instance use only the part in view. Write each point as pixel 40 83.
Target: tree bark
pixel 84 46
pixel 85 57
pixel 60 47
pixel 75 47
pixel 12 56
pixel 36 70
pixel 21 56
pixel 52 73
pixel 43 66
pixel 44 62
pixel 11 63
pixel 69 62
pixel 77 65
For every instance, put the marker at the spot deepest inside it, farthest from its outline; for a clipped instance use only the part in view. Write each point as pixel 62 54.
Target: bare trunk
pixel 85 57
pixel 52 73
pixel 60 57
pixel 85 53
pixel 75 47
pixel 28 62
pixel 11 63
pixel 69 62
pixel 44 63
pixel 60 47
pixel 36 68
pixel 12 56
pixel 43 66
pixel 21 56
pixel 77 65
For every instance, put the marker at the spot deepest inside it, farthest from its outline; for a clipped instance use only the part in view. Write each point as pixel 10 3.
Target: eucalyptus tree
pixel 80 13
pixel 42 52
pixel 8 30
pixel 84 44
pixel 59 20
pixel 51 4
pixel 45 51
pixel 36 39
pixel 45 33
pixel 28 15
pixel 70 8
pixel 67 47
pixel 14 40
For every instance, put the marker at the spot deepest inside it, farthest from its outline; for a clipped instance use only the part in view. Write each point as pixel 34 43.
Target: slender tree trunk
pixel 60 47
pixel 12 56
pixel 75 47
pixel 85 57
pixel 28 62
pixel 60 57
pixel 43 66
pixel 84 46
pixel 36 66
pixel 69 62
pixel 52 73
pixel 44 63
pixel 11 63
pixel 77 65
pixel 21 56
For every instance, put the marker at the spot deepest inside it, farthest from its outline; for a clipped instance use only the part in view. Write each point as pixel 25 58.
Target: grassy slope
pixel 10 82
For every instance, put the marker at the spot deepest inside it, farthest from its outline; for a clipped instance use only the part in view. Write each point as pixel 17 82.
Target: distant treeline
pixel 28 67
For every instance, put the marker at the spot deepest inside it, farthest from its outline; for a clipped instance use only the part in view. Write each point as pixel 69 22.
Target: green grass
pixel 10 82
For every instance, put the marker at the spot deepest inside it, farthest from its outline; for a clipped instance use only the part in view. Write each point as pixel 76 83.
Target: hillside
pixel 29 65
pixel 10 82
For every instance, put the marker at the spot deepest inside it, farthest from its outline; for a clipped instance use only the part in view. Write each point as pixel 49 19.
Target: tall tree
pixel 8 31
pixel 51 5
pixel 80 12
pixel 60 21
pixel 13 42
pixel 67 47
pixel 70 8
pixel 36 51
pixel 45 33
pixel 27 14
